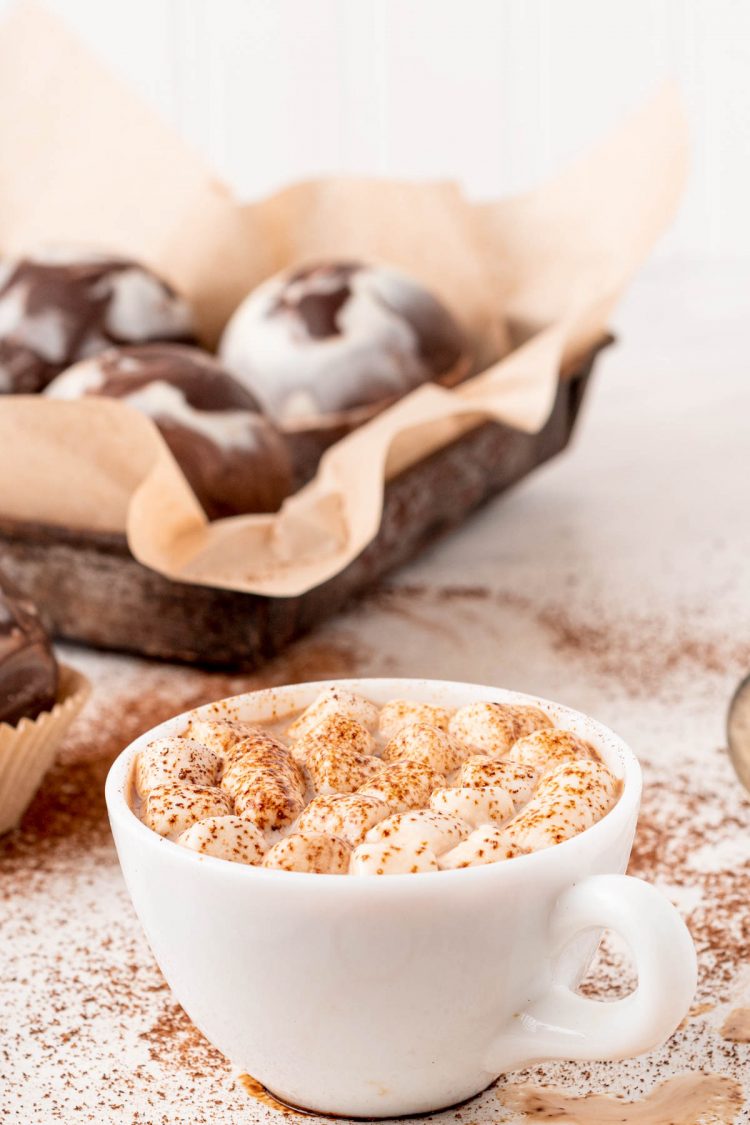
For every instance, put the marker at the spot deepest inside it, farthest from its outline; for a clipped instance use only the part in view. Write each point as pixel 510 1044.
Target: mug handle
pixel 563 1025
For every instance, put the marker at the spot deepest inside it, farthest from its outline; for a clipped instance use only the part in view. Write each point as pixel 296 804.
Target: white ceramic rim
pixel 609 744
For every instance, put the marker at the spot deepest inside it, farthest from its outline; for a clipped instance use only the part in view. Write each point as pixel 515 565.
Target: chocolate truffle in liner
pixel 58 306
pixel 338 336
pixel 231 454
pixel 28 669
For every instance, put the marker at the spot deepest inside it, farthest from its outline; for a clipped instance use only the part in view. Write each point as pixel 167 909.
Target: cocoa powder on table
pixel 89 1000
pixel 641 653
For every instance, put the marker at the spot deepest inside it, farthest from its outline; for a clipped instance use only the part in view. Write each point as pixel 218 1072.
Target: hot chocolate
pixel 348 787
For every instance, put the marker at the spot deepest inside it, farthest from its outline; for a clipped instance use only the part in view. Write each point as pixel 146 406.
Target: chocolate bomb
pixel 59 306
pixel 339 336
pixel 28 669
pixel 233 457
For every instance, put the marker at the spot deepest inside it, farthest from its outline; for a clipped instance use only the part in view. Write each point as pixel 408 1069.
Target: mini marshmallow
pixel 310 851
pixel 348 816
pixel 387 858
pixel 225 837
pixel 489 782
pixel 545 749
pixel 262 753
pixel 335 701
pixel 341 771
pixel 175 761
pixel 266 783
pixel 517 780
pixel 487 727
pixel 527 719
pixel 171 809
pixel 569 799
pixel 220 735
pixel 400 713
pixel 336 733
pixel 486 845
pixel 420 742
pixel 404 785
pixel 268 799
pixel 489 805
pixel 423 828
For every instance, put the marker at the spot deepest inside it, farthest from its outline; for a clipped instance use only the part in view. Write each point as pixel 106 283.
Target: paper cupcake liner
pixel 28 749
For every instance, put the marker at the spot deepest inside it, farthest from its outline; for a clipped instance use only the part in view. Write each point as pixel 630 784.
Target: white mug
pixel 377 997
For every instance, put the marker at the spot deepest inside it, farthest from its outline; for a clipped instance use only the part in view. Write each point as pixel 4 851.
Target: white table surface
pixel 615 580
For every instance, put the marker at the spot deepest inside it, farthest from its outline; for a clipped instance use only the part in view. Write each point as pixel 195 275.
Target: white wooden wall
pixel 494 92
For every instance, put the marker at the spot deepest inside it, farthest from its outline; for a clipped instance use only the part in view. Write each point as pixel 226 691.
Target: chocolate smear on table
pixel 687 1099
pixel 258 1091
pixel 736 1027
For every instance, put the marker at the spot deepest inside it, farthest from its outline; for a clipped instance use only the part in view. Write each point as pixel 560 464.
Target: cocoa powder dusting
pixel 174 1042
pixel 93 1033
pixel 640 652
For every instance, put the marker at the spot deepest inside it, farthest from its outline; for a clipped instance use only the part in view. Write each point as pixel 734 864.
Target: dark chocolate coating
pixel 243 469
pixel 55 312
pixel 338 336
pixel 28 669
pixel 440 341
pixel 318 312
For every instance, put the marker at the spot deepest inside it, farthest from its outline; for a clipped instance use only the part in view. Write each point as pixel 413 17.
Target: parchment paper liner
pixel 309 437
pixel 91 164
pixel 28 749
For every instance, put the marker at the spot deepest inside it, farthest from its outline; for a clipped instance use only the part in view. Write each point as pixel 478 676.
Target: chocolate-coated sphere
pixel 59 306
pixel 334 337
pixel 232 455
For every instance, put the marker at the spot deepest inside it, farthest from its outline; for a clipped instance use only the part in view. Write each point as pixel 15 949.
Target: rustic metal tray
pixel 90 589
